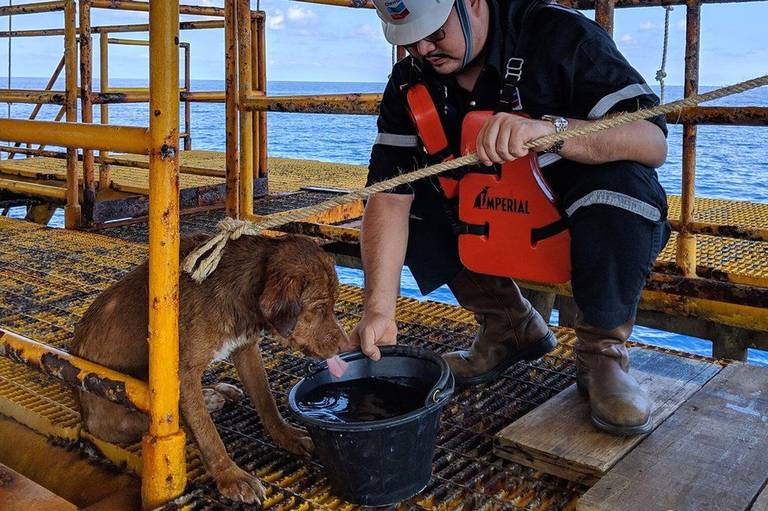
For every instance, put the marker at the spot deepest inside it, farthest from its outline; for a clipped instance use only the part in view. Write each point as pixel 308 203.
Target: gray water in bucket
pixel 378 462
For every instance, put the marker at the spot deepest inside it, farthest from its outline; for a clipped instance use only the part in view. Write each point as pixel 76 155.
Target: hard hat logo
pixel 397 9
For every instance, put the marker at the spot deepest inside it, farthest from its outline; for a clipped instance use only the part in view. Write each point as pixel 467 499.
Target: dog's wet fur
pixel 286 286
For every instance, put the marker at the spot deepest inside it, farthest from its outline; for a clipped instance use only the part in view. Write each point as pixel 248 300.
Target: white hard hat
pixel 408 21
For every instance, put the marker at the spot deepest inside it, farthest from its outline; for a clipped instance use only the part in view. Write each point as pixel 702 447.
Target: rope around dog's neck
pixel 230 229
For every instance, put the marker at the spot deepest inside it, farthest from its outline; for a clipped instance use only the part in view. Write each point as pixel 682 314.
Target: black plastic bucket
pixel 378 463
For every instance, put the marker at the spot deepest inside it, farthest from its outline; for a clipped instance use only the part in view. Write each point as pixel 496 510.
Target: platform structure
pixel 123 194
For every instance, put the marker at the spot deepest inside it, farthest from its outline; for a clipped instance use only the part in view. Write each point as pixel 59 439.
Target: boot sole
pixel 614 429
pixel 534 352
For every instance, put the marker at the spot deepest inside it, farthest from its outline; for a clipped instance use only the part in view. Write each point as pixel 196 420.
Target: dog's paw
pixel 296 441
pixel 214 400
pixel 219 395
pixel 237 484
pixel 230 392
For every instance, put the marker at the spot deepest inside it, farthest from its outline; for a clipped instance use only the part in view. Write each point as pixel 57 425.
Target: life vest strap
pixel 541 233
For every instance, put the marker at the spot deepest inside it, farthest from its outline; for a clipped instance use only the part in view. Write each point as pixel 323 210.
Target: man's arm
pixel 384 239
pixel 503 136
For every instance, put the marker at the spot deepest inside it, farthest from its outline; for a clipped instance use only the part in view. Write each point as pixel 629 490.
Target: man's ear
pixel 280 302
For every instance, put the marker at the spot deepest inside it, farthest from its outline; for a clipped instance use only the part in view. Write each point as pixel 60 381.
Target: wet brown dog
pixel 286 285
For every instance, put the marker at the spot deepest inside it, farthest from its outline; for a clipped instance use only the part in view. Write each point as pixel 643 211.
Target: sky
pixel 309 42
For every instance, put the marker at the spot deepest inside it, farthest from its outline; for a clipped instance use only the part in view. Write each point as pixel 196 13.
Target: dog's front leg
pixel 250 368
pixel 231 481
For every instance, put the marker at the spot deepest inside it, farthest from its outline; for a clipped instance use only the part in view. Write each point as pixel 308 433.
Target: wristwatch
pixel 561 124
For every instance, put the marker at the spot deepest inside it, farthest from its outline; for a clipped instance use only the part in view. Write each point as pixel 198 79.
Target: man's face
pixel 443 50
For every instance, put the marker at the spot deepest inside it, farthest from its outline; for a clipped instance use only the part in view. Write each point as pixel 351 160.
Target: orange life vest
pixel 509 225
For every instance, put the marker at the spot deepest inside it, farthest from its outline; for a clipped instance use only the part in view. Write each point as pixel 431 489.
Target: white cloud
pixel 301 16
pixel 294 18
pixel 276 20
pixel 627 39
pixel 648 26
pixel 368 32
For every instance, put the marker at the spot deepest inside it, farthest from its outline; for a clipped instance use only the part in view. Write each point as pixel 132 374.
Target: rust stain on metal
pixel 167 152
pixel 60 368
pixel 107 388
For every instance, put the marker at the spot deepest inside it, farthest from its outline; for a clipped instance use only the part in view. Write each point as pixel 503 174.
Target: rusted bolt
pixel 157 113
pixel 167 152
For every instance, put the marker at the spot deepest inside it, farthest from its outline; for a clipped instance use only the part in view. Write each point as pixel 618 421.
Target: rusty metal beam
pixel 112 29
pixel 132 5
pixel 77 372
pixel 604 14
pixel 577 4
pixel 686 241
pixel 33 97
pixel 732 116
pixel 360 104
pixel 231 110
pixel 260 43
pixel 35 8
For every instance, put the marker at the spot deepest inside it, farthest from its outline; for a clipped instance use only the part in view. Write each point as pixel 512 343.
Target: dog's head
pixel 300 290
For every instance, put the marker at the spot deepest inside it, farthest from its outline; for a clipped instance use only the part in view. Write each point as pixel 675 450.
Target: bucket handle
pixel 441 392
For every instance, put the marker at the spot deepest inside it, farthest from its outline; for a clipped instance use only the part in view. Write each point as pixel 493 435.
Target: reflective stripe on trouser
pixel 618 224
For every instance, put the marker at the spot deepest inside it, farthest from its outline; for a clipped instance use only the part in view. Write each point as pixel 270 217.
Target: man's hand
pixel 502 137
pixel 374 330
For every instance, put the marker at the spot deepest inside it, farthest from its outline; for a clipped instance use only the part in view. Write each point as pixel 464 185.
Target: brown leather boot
pixel 619 405
pixel 510 329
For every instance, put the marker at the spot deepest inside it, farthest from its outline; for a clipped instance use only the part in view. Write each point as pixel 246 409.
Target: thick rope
pixel 200 267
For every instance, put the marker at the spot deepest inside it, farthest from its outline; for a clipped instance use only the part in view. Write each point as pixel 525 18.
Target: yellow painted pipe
pixel 72 212
pixel 204 96
pixel 164 472
pixel 128 42
pixel 34 189
pixel 245 61
pixel 106 382
pixel 122 139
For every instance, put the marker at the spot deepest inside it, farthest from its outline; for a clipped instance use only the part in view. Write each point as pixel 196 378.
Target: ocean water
pixel 731 161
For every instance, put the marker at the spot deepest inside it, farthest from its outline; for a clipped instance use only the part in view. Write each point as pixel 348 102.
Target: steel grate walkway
pixel 48 278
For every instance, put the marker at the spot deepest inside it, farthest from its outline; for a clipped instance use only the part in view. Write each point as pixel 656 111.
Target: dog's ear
pixel 280 302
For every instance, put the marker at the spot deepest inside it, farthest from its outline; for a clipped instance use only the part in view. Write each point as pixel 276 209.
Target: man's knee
pixel 616 236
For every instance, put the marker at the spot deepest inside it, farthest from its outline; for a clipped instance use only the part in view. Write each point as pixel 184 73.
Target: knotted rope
pixel 203 261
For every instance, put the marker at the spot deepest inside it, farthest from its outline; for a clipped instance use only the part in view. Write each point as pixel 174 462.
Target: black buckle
pixel 460 228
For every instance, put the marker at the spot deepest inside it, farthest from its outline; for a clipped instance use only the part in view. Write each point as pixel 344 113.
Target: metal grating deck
pixel 48 278
pixel 285 174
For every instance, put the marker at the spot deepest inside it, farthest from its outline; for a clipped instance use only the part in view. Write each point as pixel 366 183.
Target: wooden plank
pixel 761 504
pixel 709 455
pixel 558 437
pixel 21 494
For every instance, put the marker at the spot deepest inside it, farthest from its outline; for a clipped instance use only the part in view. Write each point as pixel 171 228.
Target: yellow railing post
pixel 72 209
pixel 686 241
pixel 104 108
pixel 245 61
pixel 163 466
pixel 86 103
pixel 232 105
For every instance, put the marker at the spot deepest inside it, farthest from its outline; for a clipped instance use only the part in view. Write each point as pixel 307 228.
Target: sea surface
pixel 731 161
